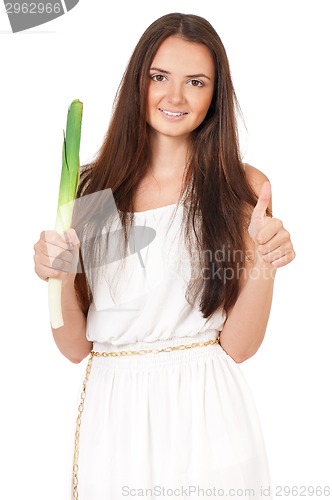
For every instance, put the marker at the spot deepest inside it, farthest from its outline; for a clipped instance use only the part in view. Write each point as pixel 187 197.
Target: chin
pixel 172 131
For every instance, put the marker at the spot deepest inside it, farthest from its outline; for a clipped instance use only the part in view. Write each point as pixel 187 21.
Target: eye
pixel 196 83
pixel 158 78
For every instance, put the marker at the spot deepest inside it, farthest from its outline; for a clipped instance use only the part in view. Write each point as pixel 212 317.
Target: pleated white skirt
pixel 179 424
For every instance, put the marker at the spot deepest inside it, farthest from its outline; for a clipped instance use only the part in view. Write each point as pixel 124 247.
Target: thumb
pixel 263 200
pixel 70 236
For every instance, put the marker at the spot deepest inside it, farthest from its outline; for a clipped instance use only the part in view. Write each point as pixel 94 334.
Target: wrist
pixel 69 282
pixel 260 267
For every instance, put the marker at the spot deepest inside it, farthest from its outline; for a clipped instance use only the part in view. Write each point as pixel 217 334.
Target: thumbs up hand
pixel 272 241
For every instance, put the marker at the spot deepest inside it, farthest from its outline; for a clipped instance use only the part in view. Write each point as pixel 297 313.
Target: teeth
pixel 169 113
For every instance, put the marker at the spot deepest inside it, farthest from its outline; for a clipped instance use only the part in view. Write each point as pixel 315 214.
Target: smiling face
pixel 180 88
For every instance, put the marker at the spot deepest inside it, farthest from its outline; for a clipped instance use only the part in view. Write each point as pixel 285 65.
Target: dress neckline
pixel 165 207
pixel 155 209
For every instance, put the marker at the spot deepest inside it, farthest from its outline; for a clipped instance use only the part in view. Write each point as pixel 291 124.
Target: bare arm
pixel 246 322
pixel 71 337
pixel 57 257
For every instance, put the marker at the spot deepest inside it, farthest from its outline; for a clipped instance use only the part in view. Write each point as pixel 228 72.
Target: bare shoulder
pixel 255 177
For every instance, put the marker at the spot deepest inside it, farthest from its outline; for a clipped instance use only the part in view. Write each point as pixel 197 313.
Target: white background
pixel 279 53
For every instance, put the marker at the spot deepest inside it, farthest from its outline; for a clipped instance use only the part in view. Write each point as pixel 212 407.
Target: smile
pixel 174 114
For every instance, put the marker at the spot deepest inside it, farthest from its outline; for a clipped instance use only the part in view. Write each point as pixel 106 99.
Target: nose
pixel 176 94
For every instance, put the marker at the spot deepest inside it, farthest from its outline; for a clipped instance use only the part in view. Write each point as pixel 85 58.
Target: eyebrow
pixel 198 75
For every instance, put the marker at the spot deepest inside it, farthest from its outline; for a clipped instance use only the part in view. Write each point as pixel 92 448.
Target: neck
pixel 168 156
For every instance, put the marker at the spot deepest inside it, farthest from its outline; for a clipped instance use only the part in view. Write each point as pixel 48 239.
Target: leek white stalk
pixel 67 193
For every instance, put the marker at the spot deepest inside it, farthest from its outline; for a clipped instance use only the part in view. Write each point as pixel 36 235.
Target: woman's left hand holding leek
pixel 57 256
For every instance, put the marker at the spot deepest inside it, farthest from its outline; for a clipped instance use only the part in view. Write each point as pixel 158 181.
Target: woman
pixel 203 253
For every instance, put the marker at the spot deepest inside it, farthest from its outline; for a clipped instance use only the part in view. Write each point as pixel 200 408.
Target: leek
pixel 67 193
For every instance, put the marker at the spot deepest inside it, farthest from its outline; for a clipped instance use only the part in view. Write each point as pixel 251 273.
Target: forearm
pixel 245 326
pixel 71 337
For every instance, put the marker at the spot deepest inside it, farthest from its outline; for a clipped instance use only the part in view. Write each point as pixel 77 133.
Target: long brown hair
pixel 219 195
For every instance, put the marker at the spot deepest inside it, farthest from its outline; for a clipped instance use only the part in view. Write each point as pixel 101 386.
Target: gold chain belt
pixel 85 381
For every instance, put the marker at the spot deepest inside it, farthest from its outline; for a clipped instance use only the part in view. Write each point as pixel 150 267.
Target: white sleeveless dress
pixel 178 424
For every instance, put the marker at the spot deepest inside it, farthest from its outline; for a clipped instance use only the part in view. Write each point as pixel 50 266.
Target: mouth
pixel 172 114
